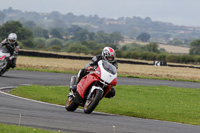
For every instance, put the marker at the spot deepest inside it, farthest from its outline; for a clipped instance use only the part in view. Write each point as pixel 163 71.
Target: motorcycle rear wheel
pixel 70 105
pixel 93 101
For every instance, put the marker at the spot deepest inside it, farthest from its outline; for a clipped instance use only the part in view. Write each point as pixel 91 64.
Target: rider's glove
pixel 12 57
pixel 90 69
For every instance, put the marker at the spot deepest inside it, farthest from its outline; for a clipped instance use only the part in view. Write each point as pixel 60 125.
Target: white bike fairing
pixel 2 54
pixel 105 75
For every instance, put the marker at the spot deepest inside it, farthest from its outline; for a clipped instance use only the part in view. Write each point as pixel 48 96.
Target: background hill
pixel 130 27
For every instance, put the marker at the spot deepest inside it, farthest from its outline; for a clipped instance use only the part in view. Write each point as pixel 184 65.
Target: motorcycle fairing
pixel 85 83
pixel 104 77
pixel 2 53
pixel 2 57
pixel 114 82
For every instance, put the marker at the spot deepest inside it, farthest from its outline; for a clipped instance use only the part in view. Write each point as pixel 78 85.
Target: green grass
pixel 152 102
pixel 51 94
pixel 158 78
pixel 45 70
pixel 18 129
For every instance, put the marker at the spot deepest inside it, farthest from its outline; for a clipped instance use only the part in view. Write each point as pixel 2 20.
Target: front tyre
pixel 2 72
pixel 93 101
pixel 70 105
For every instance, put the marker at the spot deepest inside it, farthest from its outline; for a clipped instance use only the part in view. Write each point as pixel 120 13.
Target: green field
pixel 151 102
pixel 18 129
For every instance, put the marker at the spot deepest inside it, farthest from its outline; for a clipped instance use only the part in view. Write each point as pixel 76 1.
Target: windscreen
pixel 3 50
pixel 109 67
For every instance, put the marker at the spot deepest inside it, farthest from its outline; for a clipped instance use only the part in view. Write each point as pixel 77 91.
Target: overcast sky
pixel 180 12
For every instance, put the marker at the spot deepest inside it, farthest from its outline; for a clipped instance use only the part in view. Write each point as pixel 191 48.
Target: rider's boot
pixel 73 88
pixel 73 84
pixel 111 93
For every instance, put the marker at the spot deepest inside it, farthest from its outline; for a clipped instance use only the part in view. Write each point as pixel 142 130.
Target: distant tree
pixel 101 37
pixel 152 47
pixel 40 32
pixel 28 43
pixel 176 42
pixel 63 32
pixel 56 23
pixel 148 20
pixel 118 53
pixel 54 15
pixel 69 17
pixel 55 41
pixel 40 42
pixel 116 37
pixel 56 33
pixel 82 35
pixel 73 29
pixel 56 48
pixel 2 17
pixel 23 34
pixel 144 37
pixel 172 58
pixel 187 41
pixel 167 36
pixel 29 24
pixel 89 44
pixel 132 47
pixel 15 27
pixel 195 47
pixel 161 57
pixel 78 48
pixel 92 36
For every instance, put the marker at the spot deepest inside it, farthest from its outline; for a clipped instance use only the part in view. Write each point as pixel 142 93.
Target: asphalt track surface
pixel 54 117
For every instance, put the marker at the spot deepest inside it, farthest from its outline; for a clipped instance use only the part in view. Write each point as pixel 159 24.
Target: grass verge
pixel 152 102
pixel 18 129
pixel 45 70
pixel 158 78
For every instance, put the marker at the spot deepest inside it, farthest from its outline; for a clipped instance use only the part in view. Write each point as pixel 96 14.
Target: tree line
pixel 73 39
pixel 127 26
pixel 78 40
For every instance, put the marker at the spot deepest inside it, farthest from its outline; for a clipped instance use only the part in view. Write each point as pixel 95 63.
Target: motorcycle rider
pixel 12 46
pixel 109 55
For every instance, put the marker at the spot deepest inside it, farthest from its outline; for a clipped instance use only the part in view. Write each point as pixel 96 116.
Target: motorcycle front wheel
pixel 2 72
pixel 70 105
pixel 93 101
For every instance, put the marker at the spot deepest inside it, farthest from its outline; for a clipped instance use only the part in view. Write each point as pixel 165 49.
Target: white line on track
pixel 1 88
pixel 9 87
pixel 29 99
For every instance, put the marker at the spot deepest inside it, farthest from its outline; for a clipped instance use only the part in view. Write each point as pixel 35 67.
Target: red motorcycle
pixel 92 88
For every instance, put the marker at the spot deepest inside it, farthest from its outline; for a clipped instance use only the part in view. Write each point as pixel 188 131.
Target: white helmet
pixel 12 37
pixel 109 54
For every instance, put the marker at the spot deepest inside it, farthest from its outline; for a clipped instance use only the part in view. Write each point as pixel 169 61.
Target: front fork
pixel 93 89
